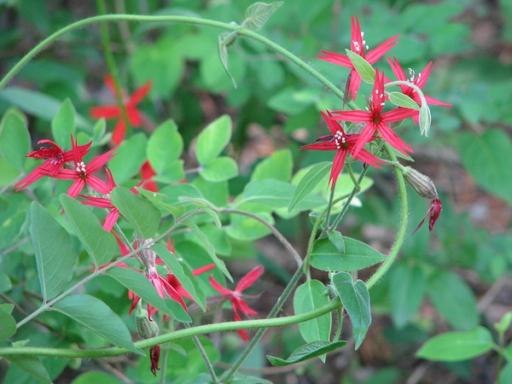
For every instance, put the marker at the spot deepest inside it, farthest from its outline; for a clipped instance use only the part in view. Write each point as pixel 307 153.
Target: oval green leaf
pixel 164 146
pixel 98 317
pixel 219 169
pixel 457 346
pixel 363 68
pixel 212 140
pixel 306 352
pixel 63 123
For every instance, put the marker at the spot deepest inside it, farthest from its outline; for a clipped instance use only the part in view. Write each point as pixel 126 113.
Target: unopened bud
pixel 421 183
pixel 146 327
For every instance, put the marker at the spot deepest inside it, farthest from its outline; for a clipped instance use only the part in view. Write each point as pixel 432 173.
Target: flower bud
pixel 421 183
pixel 146 327
pixel 154 356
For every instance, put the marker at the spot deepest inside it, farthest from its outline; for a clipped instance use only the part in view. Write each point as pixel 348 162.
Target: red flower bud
pixel 154 355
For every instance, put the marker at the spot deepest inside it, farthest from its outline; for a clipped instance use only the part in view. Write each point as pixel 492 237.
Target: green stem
pixel 171 336
pixel 45 306
pixel 328 214
pixel 402 228
pixel 171 19
pixel 277 306
pixel 354 192
pixel 111 64
pixel 206 359
pixel 278 235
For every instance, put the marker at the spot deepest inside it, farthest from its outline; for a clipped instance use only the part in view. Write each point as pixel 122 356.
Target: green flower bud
pixel 421 183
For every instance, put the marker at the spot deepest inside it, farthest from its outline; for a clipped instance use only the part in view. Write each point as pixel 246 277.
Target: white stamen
pixel 80 167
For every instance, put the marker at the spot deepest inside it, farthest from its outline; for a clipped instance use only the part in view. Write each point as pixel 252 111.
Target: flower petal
pixel 32 177
pixel 75 188
pixel 337 166
pixel 139 94
pixel 335 58
pixel 119 132
pixel 218 287
pixel 97 184
pixel 375 54
pixel 352 116
pixel 353 84
pixel 203 269
pixel 393 139
pixel 432 101
pixel 398 114
pixel 320 146
pixel 249 278
pixel 111 219
pixel 99 161
pixel 105 112
pixel 365 136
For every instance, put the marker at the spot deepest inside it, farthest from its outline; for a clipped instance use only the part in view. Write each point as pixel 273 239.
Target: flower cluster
pixel 376 120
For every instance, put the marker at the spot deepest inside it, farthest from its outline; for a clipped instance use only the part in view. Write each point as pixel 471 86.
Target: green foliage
pixel 356 300
pixel 128 158
pixel 8 325
pixel 363 67
pixel 355 256
pixel 456 346
pixel 139 212
pixel 310 296
pixel 486 157
pixel 94 314
pixel 54 249
pixel 213 139
pixel 164 146
pixel 14 139
pixel 306 352
pixel 63 124
pixel 100 245
pixel 407 288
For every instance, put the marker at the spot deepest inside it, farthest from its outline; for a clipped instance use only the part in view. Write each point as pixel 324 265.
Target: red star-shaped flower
pixel 376 120
pixel 238 304
pixel 54 159
pixel 115 112
pixel 419 80
pixel 343 144
pixel 358 45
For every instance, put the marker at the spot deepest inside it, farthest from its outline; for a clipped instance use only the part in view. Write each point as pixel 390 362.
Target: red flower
pixel 163 287
pixel 358 46
pixel 420 80
pixel 104 202
pixel 433 212
pixel 238 304
pixel 154 356
pixel 83 175
pixel 343 144
pixel 146 174
pixel 376 120
pixel 54 157
pixel 115 112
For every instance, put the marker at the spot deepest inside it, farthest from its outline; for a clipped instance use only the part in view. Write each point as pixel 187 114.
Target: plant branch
pixel 44 307
pixel 173 335
pixel 278 235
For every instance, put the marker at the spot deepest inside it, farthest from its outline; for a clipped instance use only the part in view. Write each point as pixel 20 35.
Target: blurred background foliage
pixel 455 278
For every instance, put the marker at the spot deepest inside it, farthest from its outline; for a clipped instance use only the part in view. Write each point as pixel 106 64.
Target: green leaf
pixel 63 123
pixel 140 213
pixel 337 239
pixel 37 104
pixel 212 140
pixel 268 193
pixel 457 346
pixel 277 166
pixel 407 288
pixel 198 237
pixel 356 300
pixel 182 273
pixel 219 169
pixel 505 376
pixel 8 172
pixel 358 255
pixel 225 39
pixel 129 157
pixel 402 100
pixel 310 296
pixel 8 327
pixel 14 138
pixel 100 245
pixel 54 249
pixel 363 68
pixel 159 60
pixel 310 180
pixel 487 159
pixel 137 283
pixel 425 119
pixel 504 324
pixel 5 283
pixel 459 308
pixel 94 314
pixel 306 352
pixel 257 14
pixel 33 366
pixel 164 146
